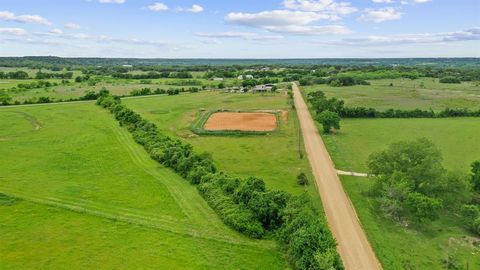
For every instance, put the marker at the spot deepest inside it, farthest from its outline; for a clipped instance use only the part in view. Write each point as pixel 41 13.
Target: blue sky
pixel 240 29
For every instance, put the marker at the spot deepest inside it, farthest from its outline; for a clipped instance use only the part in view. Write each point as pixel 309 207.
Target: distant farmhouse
pixel 263 88
pixel 245 77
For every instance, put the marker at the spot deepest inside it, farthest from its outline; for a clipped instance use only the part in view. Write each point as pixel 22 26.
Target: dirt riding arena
pixel 242 121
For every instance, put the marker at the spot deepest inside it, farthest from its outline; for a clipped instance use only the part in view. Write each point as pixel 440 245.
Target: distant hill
pixel 52 61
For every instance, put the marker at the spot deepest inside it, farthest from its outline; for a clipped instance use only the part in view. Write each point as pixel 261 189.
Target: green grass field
pixel 399 247
pixel 83 180
pixel 273 157
pixel 457 138
pixel 406 94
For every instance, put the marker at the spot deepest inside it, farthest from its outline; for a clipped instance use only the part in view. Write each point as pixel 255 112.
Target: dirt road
pixel 353 246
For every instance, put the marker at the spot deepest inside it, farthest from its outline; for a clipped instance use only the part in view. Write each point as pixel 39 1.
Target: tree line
pixel 319 103
pixel 246 205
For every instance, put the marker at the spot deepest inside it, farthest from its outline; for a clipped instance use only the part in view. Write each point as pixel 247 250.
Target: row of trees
pixel 153 75
pixel 52 75
pixel 14 75
pixel 412 186
pixel 244 204
pixel 335 81
pixel 38 84
pixel 158 91
pixel 6 99
pixel 319 103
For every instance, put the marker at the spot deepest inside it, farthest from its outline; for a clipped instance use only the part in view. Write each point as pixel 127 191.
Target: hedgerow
pixel 321 103
pixel 245 205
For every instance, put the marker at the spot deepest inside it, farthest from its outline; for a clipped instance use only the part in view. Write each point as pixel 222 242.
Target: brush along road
pixel 353 245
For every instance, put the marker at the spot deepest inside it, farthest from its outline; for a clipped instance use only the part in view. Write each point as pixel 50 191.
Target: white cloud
pixel 72 26
pixel 406 2
pixel 193 9
pixel 323 6
pixel 311 29
pixel 13 31
pixel 56 31
pixel 472 34
pixel 287 21
pixel 380 15
pixel 298 17
pixel 34 19
pixel 241 35
pixel 157 7
pixel 275 18
pixel 226 35
pixel 383 1
pixel 111 1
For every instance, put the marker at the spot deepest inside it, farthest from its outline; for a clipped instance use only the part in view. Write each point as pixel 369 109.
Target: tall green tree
pixel 411 183
pixel 329 120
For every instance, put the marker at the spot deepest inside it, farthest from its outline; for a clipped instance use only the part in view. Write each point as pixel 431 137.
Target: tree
pixel 329 120
pixel 411 183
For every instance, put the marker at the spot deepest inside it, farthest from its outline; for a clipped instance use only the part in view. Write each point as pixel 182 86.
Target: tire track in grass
pixel 200 212
pixel 172 226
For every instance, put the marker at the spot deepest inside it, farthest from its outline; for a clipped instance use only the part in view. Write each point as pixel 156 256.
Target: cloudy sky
pixel 240 28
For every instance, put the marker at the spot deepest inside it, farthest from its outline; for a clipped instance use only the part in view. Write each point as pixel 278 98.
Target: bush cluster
pixel 450 79
pixel 46 75
pixel 246 205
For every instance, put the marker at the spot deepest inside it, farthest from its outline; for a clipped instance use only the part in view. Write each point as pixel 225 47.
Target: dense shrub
pixel 306 237
pixel 450 79
pixel 302 179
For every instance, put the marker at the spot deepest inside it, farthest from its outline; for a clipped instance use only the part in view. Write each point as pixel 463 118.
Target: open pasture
pixel 80 178
pixel 396 246
pixel 423 93
pixel 457 138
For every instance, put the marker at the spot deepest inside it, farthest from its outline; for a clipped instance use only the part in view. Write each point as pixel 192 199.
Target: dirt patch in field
pixel 241 121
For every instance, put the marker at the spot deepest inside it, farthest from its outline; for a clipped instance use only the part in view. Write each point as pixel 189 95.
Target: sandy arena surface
pixel 241 121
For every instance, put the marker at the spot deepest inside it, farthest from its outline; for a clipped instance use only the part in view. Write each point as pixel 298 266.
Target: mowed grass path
pixel 406 94
pixel 75 157
pixel 274 157
pixel 396 246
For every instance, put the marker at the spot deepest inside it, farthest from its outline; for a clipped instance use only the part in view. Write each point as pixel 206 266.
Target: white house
pixel 263 88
